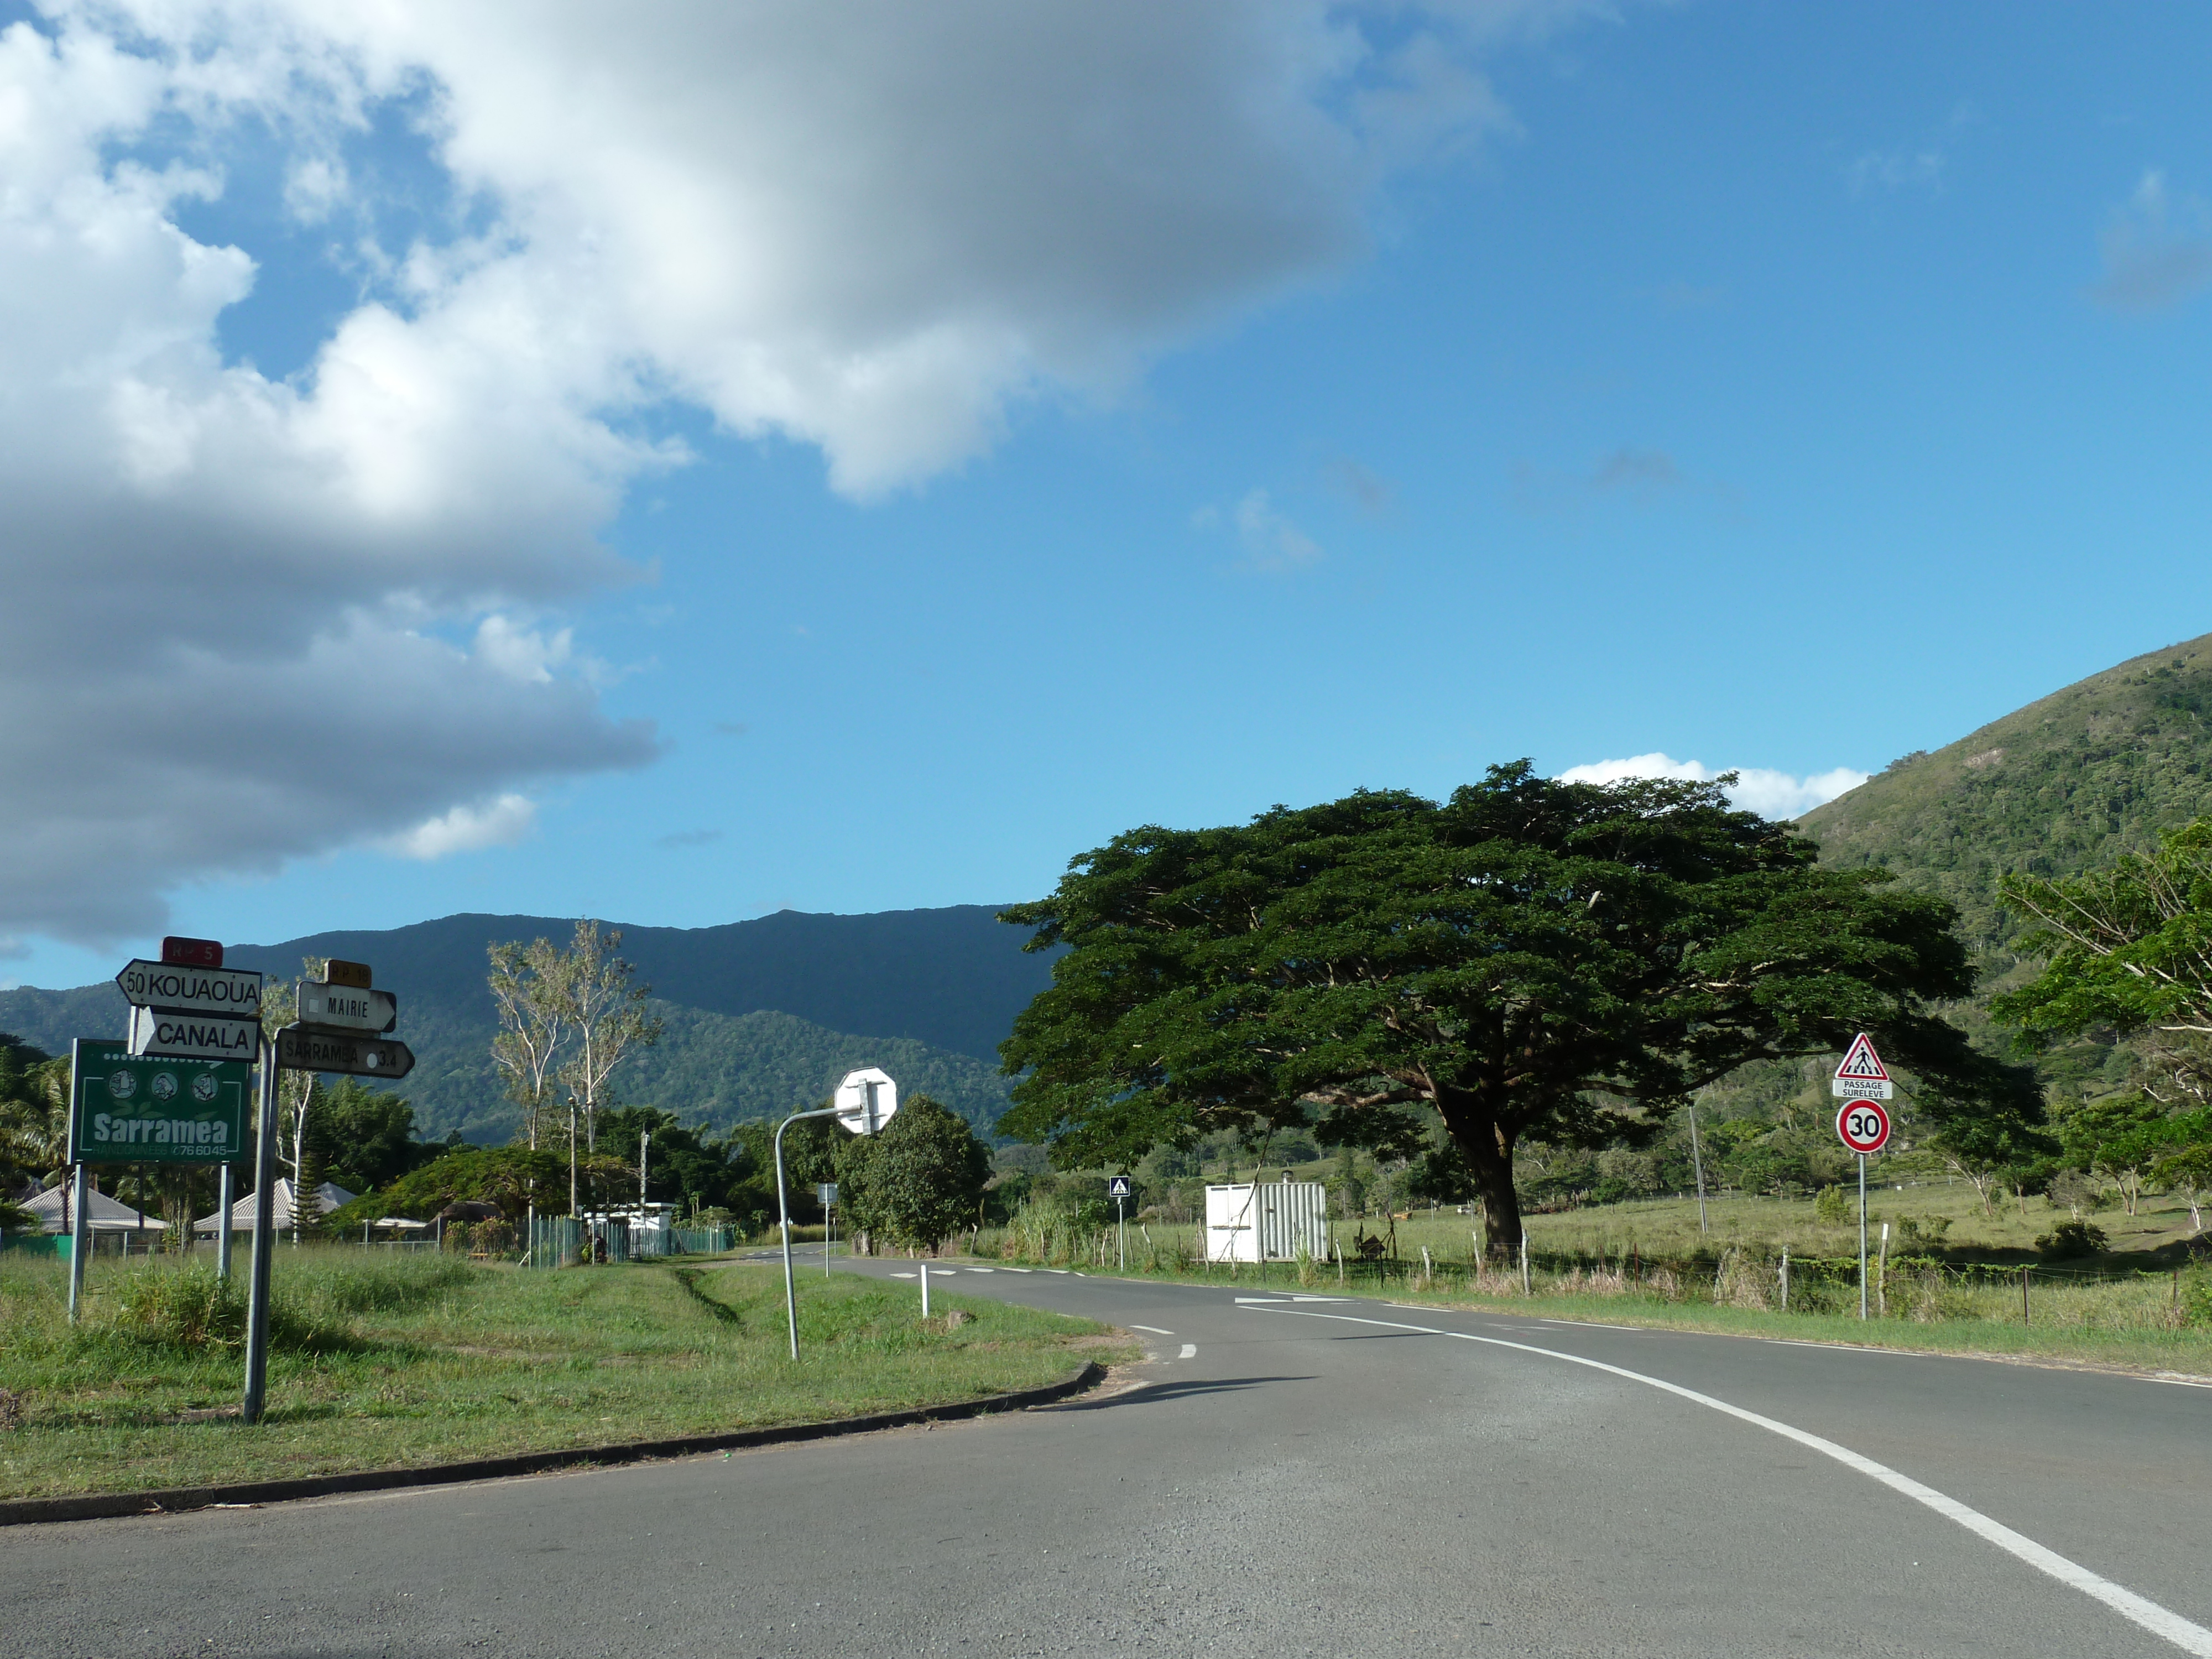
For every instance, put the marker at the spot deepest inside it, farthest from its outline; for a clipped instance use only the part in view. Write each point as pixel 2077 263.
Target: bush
pixel 2070 1239
pixel 1831 1206
pixel 2197 1298
pixel 189 1310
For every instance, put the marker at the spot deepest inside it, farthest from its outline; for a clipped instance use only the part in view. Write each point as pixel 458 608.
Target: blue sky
pixel 1766 386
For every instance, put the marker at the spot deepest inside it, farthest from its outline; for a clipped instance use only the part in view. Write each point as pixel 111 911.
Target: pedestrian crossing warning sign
pixel 1862 1063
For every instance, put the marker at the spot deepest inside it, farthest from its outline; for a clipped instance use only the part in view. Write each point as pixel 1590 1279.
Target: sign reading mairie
pixel 128 1110
pixel 345 1008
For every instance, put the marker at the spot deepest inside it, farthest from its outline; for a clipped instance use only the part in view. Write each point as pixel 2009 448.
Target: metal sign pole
pixel 228 1198
pixel 264 1234
pixel 783 1217
pixel 80 1240
pixel 1863 1249
pixel 1121 1235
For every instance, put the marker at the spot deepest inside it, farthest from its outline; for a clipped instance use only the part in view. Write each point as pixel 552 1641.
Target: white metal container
pixel 1266 1222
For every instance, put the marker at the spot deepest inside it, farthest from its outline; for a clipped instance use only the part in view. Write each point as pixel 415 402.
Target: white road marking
pixel 1021 1270
pixel 2179 1381
pixel 1261 1301
pixel 1189 1351
pixel 1597 1325
pixel 894 1275
pixel 1055 1270
pixel 1154 1329
pixel 2190 1637
pixel 982 1270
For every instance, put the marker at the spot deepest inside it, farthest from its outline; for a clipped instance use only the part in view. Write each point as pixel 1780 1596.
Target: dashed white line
pixel 2189 1636
pixel 1154 1329
pixel 1189 1351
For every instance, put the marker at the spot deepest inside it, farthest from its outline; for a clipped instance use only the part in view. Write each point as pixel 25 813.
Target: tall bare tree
pixel 530 987
pixel 609 1017
pixel 296 1091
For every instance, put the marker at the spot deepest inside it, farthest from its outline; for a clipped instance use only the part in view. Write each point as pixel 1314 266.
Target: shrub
pixel 192 1308
pixel 1831 1206
pixel 2070 1239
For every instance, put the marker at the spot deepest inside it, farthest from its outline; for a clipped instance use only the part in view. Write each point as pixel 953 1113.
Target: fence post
pixel 1428 1268
pixel 2023 1293
pixel 1785 1281
pixel 1339 1264
pixel 1525 1287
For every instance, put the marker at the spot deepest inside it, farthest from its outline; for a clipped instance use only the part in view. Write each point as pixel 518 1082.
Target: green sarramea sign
pixel 125 1109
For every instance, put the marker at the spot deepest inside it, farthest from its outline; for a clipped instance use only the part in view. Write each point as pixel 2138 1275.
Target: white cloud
pixel 468 829
pixel 2157 249
pixel 1757 789
pixel 234 605
pixel 1271 541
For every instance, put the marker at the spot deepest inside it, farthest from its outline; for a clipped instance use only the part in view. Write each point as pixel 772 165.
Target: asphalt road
pixel 1284 1477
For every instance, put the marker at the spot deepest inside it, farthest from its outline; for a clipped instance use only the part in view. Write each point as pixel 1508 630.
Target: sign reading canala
pixel 124 1109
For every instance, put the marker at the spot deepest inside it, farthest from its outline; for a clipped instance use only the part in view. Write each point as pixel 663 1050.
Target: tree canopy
pixel 916 1181
pixel 2128 947
pixel 1530 957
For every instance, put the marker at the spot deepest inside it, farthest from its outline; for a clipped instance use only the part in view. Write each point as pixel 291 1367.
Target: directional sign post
pixel 181 1010
pixel 1117 1188
pixel 1862 1126
pixel 311 1048
pixel 345 1008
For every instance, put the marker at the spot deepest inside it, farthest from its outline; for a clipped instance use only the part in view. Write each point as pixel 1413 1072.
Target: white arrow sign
pixel 233 990
pixel 349 1010
pixel 301 1048
pixel 172 1034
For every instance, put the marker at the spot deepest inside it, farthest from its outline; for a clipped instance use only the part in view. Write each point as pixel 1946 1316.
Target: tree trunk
pixel 1488 1148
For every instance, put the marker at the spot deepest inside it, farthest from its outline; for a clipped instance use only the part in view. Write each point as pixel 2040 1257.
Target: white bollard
pixel 925 1290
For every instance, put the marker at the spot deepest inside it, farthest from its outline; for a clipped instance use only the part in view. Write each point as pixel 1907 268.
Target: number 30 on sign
pixel 1862 1126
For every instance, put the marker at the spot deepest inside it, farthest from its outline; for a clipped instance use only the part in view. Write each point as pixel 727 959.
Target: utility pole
pixel 1697 1163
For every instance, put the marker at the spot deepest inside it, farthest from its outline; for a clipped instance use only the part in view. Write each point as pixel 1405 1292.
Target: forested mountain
pixel 762 1015
pixel 2065 784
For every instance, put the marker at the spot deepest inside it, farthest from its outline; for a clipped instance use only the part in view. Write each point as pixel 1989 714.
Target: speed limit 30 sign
pixel 1862 1126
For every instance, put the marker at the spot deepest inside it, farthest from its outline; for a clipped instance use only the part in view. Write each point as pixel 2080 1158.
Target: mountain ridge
pixel 2065 783
pixel 762 1015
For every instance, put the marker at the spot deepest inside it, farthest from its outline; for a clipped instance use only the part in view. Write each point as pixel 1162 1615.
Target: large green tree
pixel 916 1181
pixel 1529 958
pixel 2126 949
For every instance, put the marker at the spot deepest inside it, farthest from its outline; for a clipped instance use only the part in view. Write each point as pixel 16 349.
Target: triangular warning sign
pixel 1862 1063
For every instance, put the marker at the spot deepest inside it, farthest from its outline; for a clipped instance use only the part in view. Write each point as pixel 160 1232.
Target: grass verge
pixel 418 1360
pixel 2130 1326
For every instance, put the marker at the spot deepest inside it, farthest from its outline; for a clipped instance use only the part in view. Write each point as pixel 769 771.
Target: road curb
pixel 104 1506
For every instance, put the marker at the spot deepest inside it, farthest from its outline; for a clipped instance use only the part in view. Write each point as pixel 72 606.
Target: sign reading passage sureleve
pixel 127 1109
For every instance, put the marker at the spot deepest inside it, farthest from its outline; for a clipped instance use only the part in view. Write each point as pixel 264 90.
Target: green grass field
pixel 2137 1306
pixel 383 1361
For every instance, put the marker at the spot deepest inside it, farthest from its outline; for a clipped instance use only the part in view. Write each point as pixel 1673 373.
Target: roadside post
pixel 1862 1083
pixel 864 1102
pixel 1118 1190
pixel 341 1026
pixel 825 1194
pixel 173 1091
